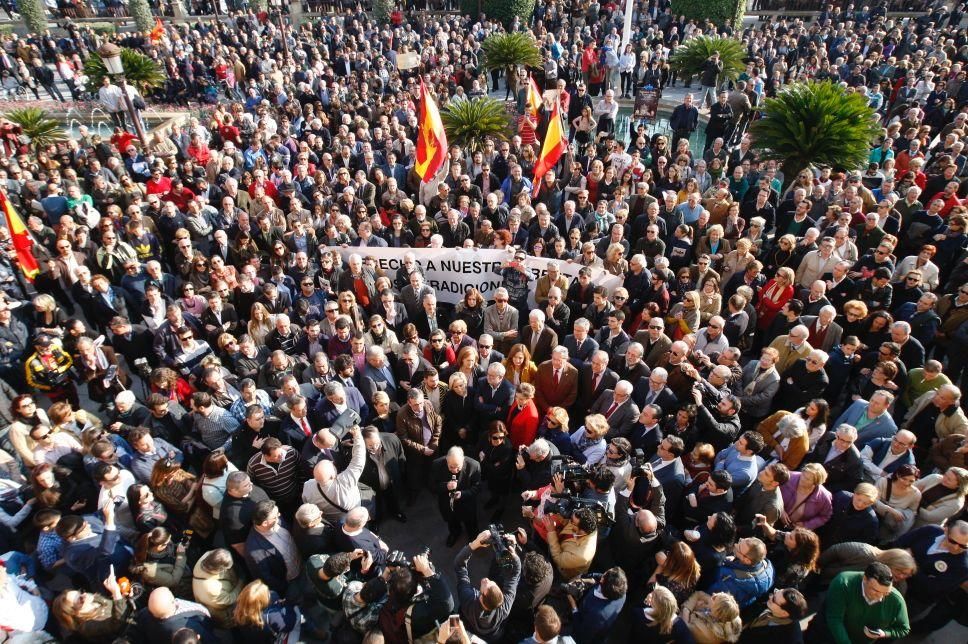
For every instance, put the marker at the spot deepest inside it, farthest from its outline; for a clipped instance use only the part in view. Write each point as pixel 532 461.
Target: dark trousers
pixel 462 514
pixel 418 470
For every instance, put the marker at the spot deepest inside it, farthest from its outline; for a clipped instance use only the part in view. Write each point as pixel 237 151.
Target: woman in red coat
pixel 773 295
pixel 522 420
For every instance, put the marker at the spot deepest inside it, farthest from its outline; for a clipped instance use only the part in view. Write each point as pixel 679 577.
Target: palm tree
pixel 468 122
pixel 34 123
pixel 811 124
pixel 140 12
pixel 508 51
pixel 139 70
pixel 690 55
pixel 34 14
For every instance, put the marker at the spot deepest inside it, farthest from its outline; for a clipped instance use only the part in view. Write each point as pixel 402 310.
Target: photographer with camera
pixel 418 599
pixel 486 609
pixel 534 464
pixel 718 425
pixel 572 541
pixel 595 613
pixel 634 539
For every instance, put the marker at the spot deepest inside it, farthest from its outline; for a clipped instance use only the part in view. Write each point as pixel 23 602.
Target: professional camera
pixel 142 368
pixel 398 559
pixel 577 587
pixel 502 541
pixel 565 506
pixel 570 470
pixel 640 465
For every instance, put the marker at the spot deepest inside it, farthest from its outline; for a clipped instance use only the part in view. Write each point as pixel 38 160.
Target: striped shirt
pixel 277 479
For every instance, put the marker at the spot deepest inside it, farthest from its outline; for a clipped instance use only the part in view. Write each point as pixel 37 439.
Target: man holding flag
pixel 20 240
pixel 551 151
pixel 431 139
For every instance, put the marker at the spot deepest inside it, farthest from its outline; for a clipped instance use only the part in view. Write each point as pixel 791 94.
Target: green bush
pixel 721 12
pixel 507 10
pixel 34 14
pixel 469 123
pixel 690 55
pixel 141 14
pixel 382 10
pixel 103 28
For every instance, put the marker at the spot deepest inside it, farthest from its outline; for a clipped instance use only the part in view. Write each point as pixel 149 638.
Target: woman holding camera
pixel 90 616
pixel 158 561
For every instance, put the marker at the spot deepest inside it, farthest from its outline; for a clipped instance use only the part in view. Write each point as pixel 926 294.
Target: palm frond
pixel 42 130
pixel 139 70
pixel 508 50
pixel 690 55
pixel 469 123
pixel 809 124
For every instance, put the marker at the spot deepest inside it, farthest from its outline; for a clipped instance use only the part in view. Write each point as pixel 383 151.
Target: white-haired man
pixel 456 480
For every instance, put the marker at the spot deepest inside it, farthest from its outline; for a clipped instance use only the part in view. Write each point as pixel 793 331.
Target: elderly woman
pixel 942 496
pixel 523 416
pixel 715 245
pixel 806 502
pixel 737 259
pixel 710 300
pixel 785 438
pixel 683 318
pixel 588 441
pixel 712 619
pixel 457 410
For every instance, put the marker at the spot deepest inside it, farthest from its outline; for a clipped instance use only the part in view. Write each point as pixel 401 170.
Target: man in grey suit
pixel 619 410
pixel 655 343
pixel 413 294
pixel 539 337
pixel 759 385
pixel 501 321
pixel 825 334
pixel 580 345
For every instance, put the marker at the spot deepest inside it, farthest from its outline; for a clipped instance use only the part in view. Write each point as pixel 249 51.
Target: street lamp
pixel 111 55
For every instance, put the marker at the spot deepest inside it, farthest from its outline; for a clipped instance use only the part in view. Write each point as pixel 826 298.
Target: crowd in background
pixel 211 398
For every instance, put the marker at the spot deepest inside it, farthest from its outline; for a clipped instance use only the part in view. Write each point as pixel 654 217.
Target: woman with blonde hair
pixel 714 244
pixel 48 317
pixel 712 619
pixel 518 366
pixel 856 555
pixel 684 317
pixel 457 410
pixel 736 260
pixel 657 620
pixel 588 441
pixel 615 262
pixel 468 363
pixel 773 296
pixel 352 310
pixel 806 502
pixel 260 324
pixel 91 616
pixel 710 299
pixel 261 617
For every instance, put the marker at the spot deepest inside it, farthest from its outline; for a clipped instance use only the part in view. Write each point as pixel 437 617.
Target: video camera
pixel 570 470
pixel 565 506
pixel 398 559
pixel 503 542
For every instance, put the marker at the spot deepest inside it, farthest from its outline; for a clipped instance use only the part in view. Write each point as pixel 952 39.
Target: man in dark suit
pixel 493 395
pixel 218 318
pixel 839 455
pixel 485 349
pixel 655 343
pixel 539 337
pixel 355 535
pixel 383 472
pixel 653 391
pixel 612 337
pixel 294 427
pixel 595 377
pixel 377 375
pixel 107 302
pixel 335 400
pixel 840 288
pixel 456 480
pixel 431 317
pixel 630 366
pixel 619 410
pixel 912 351
pixel 669 471
pixel 266 560
pixel 132 340
pixel 165 615
pixel 646 433
pixel 580 346
pixel 323 446
pixel 409 371
pixel 825 334
pixel 556 382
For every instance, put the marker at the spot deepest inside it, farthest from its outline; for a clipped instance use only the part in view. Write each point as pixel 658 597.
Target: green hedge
pixel 506 10
pixel 721 12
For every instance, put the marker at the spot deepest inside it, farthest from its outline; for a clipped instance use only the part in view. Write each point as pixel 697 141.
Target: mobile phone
pixel 454 621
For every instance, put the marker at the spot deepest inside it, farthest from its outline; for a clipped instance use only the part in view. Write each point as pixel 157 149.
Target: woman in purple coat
pixel 806 502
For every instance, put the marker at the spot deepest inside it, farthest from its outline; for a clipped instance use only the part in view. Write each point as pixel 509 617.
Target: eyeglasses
pixel 963 546
pixel 436 340
pixel 484 346
pixel 44 437
pixel 620 297
pixel 657 327
pixel 497 438
pixel 911 279
pixel 500 300
pixel 330 310
pixel 189 288
pixel 814 361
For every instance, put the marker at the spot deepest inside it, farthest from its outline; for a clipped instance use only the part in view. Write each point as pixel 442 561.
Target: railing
pixel 795 7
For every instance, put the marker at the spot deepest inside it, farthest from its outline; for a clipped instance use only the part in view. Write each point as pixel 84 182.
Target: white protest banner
pixel 451 271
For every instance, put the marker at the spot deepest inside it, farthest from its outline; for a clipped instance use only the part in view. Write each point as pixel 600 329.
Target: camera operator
pixel 712 496
pixel 485 610
pixel 573 544
pixel 418 599
pixel 534 464
pixel 635 535
pixel 593 617
pixel 600 487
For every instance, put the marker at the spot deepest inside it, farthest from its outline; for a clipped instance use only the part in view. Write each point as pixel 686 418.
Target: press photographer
pixel 486 609
pixel 419 599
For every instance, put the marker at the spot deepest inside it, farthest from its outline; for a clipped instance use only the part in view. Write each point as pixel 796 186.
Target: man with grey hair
pixel 538 337
pixel 943 405
pixel 556 383
pixel 839 455
pixel 336 493
pixel 493 395
pixel 823 332
pixel 791 347
pixel 486 351
pixel 711 340
pixel 456 480
pixel 501 321
pixel 580 344
pixel 630 366
pixel 912 351
pixel 618 408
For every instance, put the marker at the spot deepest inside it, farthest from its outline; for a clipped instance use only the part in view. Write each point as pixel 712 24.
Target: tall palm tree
pixel 508 51
pixel 139 70
pixel 810 124
pixel 468 122
pixel 690 55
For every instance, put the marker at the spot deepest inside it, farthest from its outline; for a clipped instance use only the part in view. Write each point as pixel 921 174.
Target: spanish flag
pixel 159 30
pixel 22 242
pixel 534 95
pixel 432 140
pixel 551 151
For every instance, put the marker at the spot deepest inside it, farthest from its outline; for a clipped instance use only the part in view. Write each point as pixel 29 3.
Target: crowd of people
pixel 212 398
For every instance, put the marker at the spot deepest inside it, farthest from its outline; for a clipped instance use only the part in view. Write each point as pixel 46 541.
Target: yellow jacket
pixel 573 555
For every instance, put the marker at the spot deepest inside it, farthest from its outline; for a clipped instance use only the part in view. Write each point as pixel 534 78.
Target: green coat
pixel 846 612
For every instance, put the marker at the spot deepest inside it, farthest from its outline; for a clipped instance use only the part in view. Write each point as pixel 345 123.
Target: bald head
pixel 161 603
pixel 325 472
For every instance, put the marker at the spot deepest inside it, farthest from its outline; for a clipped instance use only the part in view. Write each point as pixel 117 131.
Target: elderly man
pixel 618 408
pixel 456 480
pixel 553 278
pixel 557 382
pixel 580 344
pixel 823 332
pixel 804 381
pixel 791 347
pixel 912 351
pixel 759 386
pixel 501 321
pixel 538 337
pixel 872 419
pixel 377 375
pixel 493 395
pixel 711 340
pixel 653 391
pixel 839 455
pixel 882 456
pixel 935 415
pixel 817 263
pixel 418 428
pixel 655 343
pixel 337 493
pixel 630 367
pixel 164 616
pixel 339 403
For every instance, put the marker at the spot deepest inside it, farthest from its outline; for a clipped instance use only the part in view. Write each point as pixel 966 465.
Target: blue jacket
pixel 94 556
pixel 938 574
pixel 745 583
pixel 882 427
pixel 879 448
pixel 595 617
pixel 266 562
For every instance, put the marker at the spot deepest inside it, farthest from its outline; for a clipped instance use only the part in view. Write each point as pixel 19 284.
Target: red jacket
pixel 523 426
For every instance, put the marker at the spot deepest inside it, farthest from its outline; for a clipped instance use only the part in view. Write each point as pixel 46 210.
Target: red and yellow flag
pixel 432 140
pixel 22 242
pixel 551 151
pixel 534 95
pixel 158 31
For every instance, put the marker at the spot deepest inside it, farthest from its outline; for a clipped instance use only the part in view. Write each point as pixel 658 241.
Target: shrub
pixel 721 12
